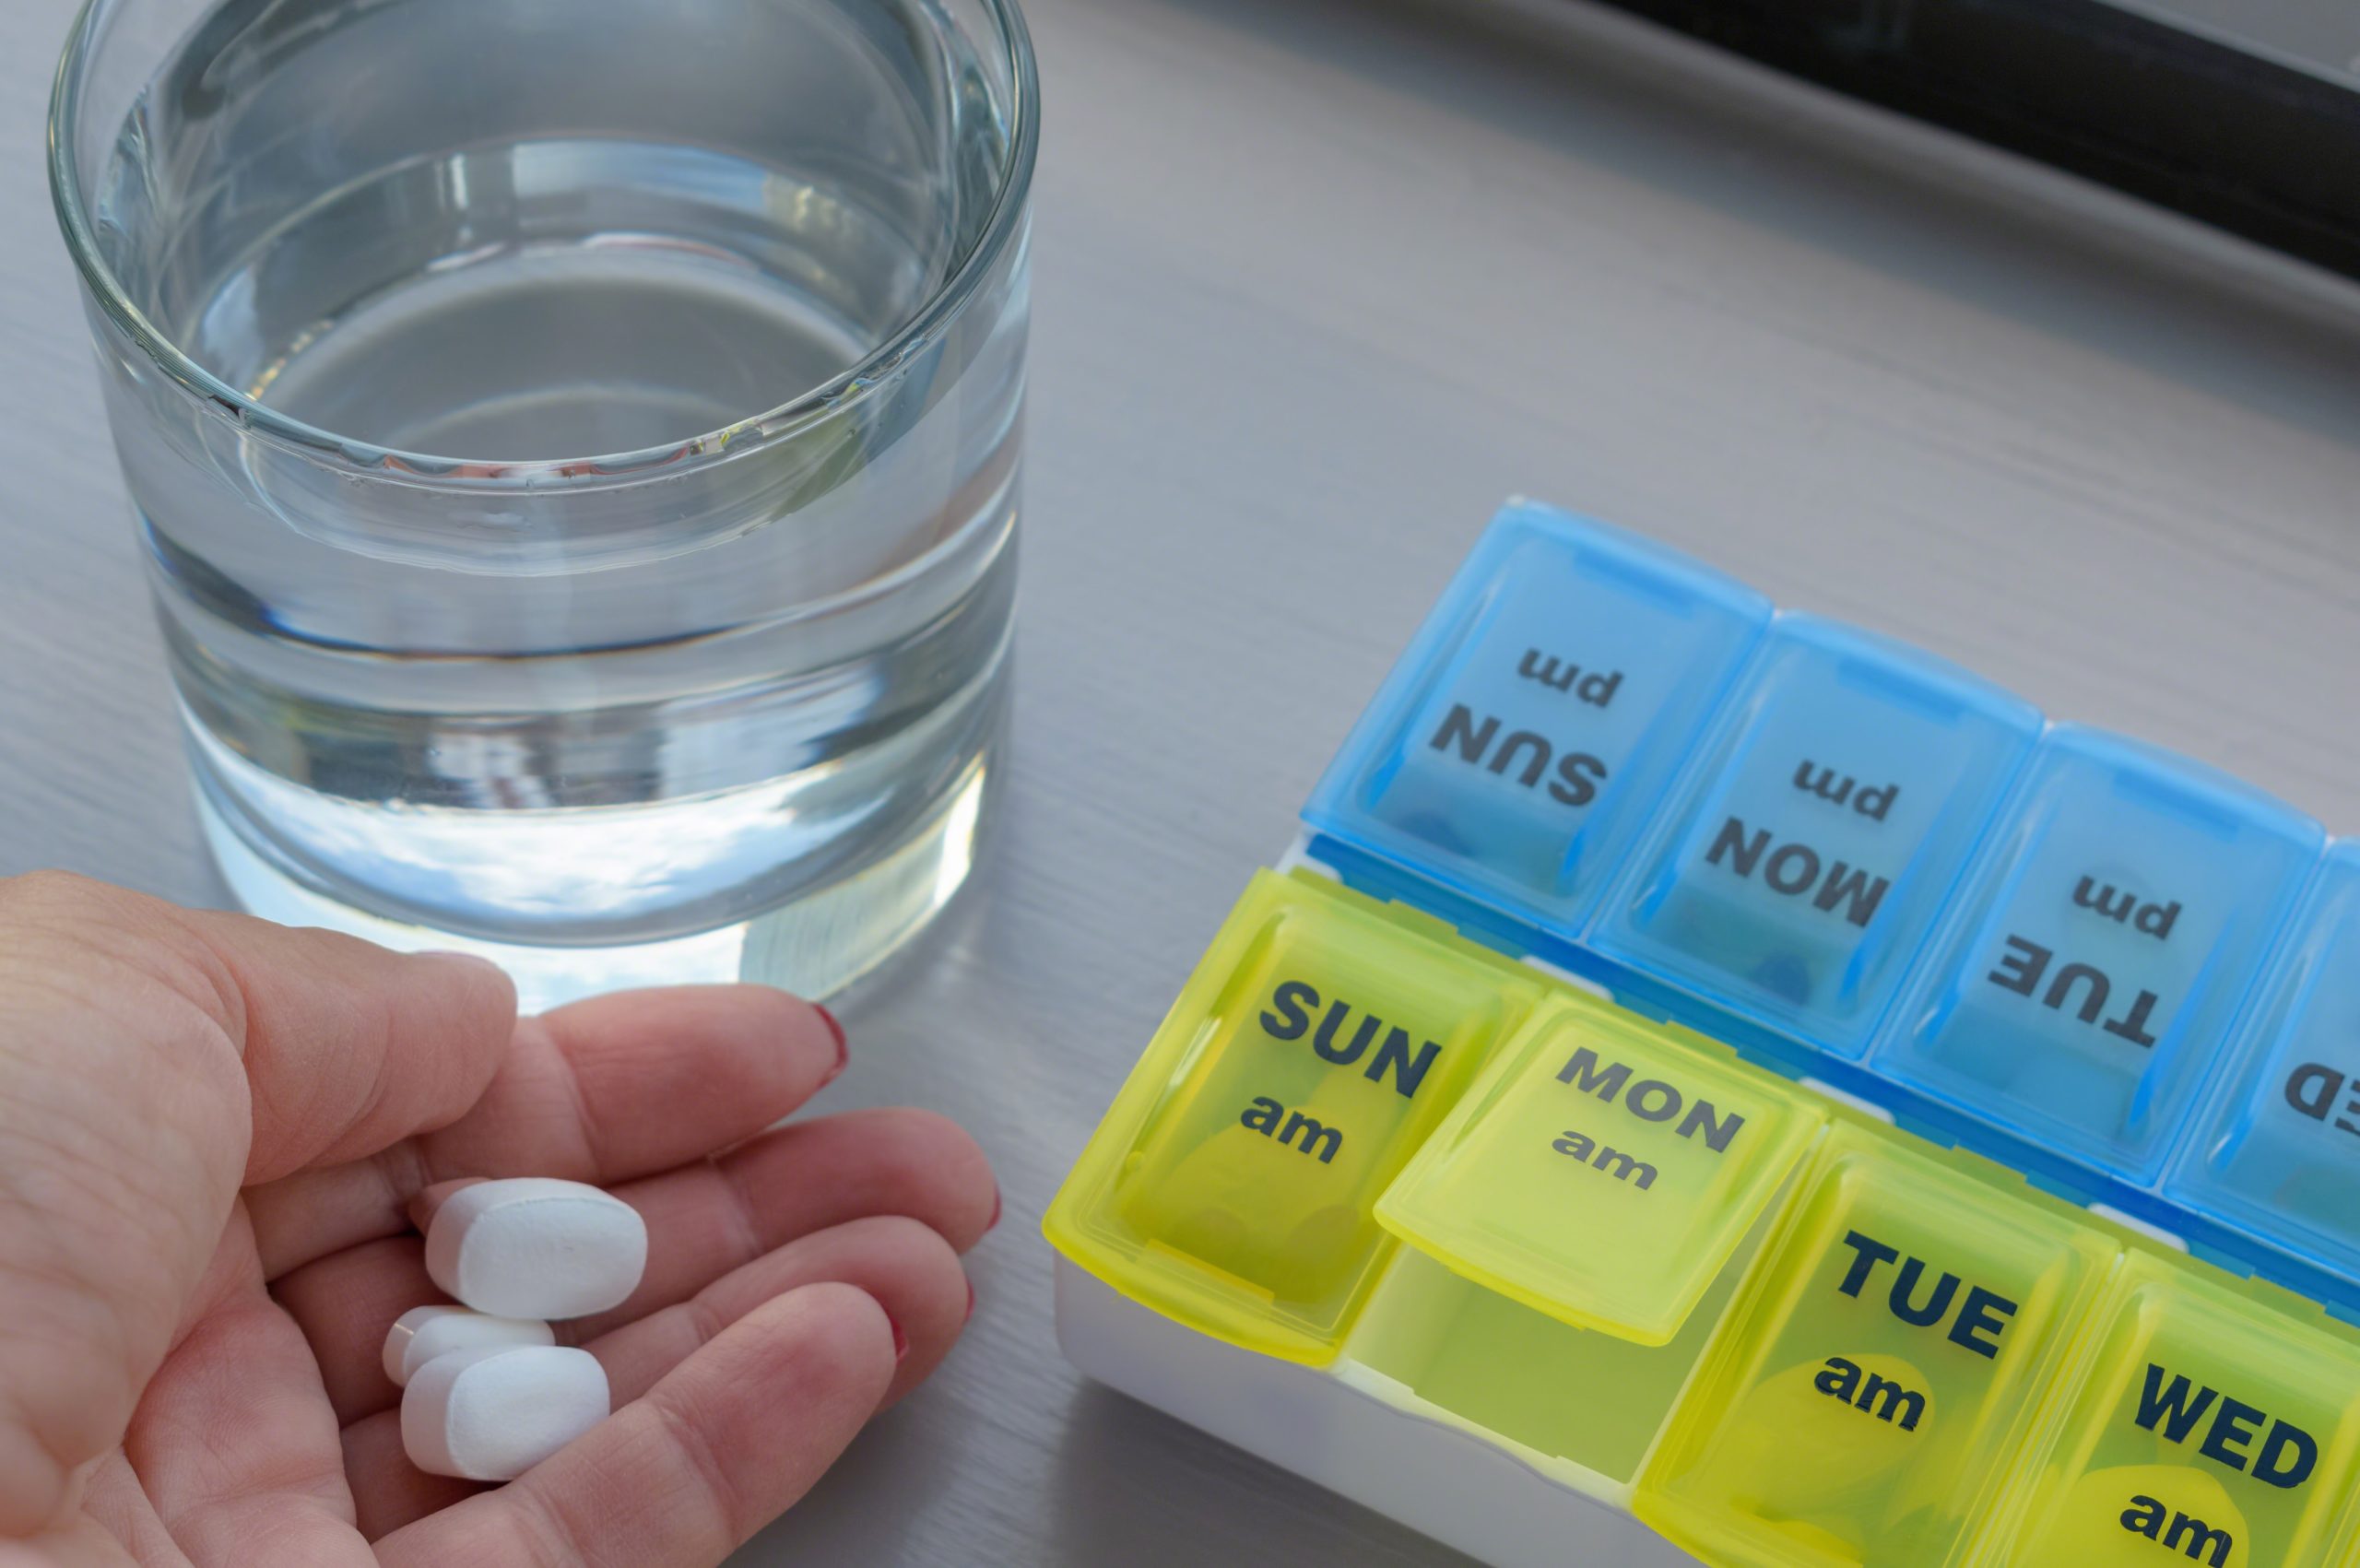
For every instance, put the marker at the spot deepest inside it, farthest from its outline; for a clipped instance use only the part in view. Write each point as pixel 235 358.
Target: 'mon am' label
pixel 1651 1098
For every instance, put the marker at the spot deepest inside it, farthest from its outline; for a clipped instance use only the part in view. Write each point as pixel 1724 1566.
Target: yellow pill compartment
pixel 1579 1405
pixel 1231 1185
pixel 1892 1349
pixel 1601 1171
pixel 2207 1426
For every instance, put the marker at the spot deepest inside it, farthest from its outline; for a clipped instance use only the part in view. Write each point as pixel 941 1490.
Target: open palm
pixel 214 1133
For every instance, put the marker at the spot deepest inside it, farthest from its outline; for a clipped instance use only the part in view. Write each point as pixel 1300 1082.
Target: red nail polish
pixel 843 1050
pixel 994 1220
pixel 971 1303
pixel 901 1342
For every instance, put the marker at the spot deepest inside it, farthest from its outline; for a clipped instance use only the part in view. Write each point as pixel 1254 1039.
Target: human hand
pixel 213 1132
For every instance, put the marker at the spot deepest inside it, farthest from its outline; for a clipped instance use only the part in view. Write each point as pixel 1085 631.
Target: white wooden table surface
pixel 1318 282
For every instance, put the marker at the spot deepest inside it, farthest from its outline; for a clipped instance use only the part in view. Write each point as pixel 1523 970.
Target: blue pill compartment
pixel 1523 740
pixel 2277 1155
pixel 2087 977
pixel 1809 850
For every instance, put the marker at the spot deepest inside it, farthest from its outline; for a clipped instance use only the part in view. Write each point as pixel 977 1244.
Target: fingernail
pixel 448 955
pixel 995 1206
pixel 901 1342
pixel 971 1303
pixel 843 1050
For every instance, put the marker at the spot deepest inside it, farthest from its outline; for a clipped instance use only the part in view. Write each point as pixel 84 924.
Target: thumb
pixel 152 1060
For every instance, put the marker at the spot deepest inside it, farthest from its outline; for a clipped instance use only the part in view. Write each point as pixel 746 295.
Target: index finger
pixel 603 1091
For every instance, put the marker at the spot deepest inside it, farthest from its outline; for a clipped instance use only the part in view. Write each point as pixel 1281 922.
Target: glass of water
pixel 576 445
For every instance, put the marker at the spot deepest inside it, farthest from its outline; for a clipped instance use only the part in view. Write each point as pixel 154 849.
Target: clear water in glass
pixel 560 647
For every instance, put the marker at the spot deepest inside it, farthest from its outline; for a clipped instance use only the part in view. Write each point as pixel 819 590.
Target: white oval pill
pixel 423 1333
pixel 493 1413
pixel 534 1247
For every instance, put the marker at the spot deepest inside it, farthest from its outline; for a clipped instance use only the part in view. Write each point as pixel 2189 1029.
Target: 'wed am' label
pixel 2211 1428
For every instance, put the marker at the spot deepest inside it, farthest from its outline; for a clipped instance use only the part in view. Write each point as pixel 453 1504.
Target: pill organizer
pixel 1729 1067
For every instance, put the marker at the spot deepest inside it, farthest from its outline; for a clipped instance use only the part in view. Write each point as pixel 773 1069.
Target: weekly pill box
pixel 1736 1068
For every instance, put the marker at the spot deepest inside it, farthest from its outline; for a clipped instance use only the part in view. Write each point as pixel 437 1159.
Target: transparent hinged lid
pixel 1522 740
pixel 1603 1170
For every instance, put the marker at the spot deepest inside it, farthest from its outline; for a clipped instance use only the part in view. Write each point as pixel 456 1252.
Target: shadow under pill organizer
pixel 1738 1069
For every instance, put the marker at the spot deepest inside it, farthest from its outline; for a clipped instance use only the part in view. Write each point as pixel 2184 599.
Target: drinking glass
pixel 576 445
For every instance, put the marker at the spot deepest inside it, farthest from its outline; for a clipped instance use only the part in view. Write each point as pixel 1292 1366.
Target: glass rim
pixel 843 391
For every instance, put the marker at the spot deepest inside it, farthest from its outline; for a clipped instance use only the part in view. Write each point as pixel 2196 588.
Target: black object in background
pixel 2244 113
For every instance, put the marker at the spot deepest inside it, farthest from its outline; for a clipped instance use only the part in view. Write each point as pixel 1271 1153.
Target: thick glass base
pixel 815 945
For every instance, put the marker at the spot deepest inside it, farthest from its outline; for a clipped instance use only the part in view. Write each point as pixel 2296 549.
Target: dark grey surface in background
pixel 1317 284
pixel 2320 35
